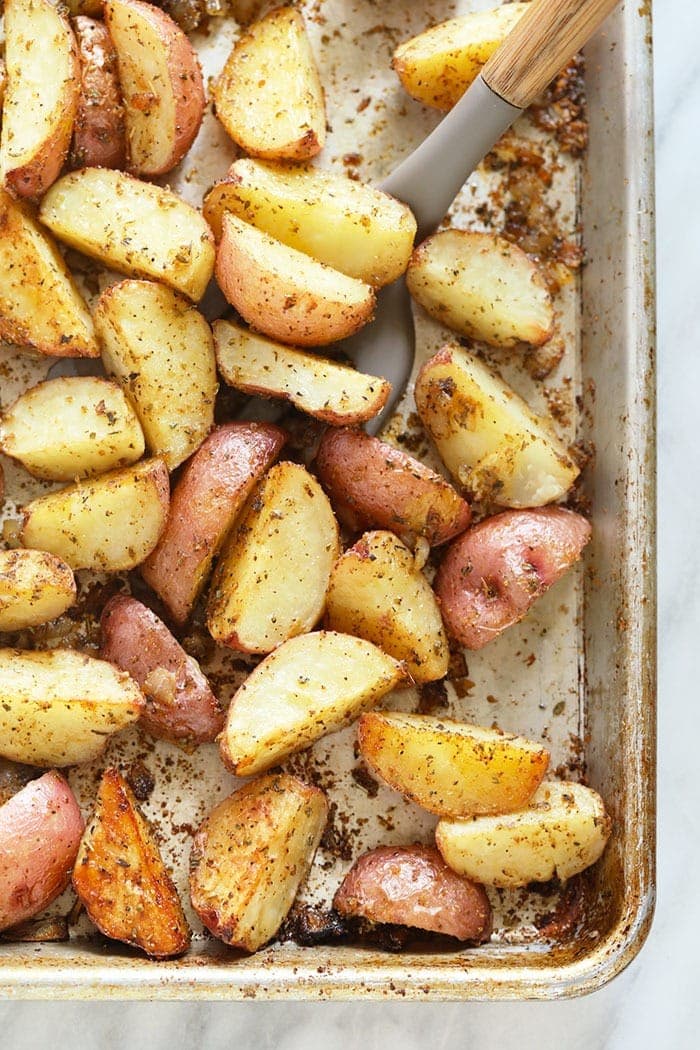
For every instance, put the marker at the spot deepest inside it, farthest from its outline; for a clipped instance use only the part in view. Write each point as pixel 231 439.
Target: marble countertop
pixel 654 1000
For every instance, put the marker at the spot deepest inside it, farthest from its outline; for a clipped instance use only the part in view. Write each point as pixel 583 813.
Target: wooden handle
pixel 540 44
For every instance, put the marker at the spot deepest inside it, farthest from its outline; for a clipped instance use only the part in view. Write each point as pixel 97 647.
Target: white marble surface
pixel 655 1001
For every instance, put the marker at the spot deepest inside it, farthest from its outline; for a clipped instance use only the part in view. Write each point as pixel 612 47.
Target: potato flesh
pixel 563 831
pixel 356 229
pixel 72 426
pixel 60 707
pixel 35 587
pixel 310 686
pixel 487 436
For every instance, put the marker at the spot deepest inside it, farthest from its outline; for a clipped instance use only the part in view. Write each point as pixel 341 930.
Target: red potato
pixel 212 490
pixel 180 705
pixel 412 886
pixel 492 574
pixel 99 132
pixel 372 484
pixel 40 829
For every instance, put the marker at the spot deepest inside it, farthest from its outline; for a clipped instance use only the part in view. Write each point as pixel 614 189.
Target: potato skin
pixel 493 573
pixel 412 886
pixel 371 483
pixel 99 133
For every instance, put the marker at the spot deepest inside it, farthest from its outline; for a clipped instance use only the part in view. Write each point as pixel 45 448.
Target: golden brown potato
pixel 412 886
pixel 284 293
pixel 487 436
pixel 108 524
pixel 251 855
pixel 269 96
pixel 3 81
pixel 35 587
pixel 333 393
pixel 70 427
pixel 310 686
pixel 134 227
pixel 452 768
pixel 371 483
pixel 562 831
pixel 121 879
pixel 211 492
pixel 99 132
pixel 60 707
pixel 271 580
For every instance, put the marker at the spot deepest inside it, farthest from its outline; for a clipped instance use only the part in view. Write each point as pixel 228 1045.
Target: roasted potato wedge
pixel 71 427
pixel 377 593
pixel 40 829
pixel 162 85
pixel 41 99
pixel 374 484
pixel 271 580
pixel 160 349
pixel 412 886
pixel 437 66
pixel 59 707
pixel 487 436
pixel 251 855
pixel 269 97
pixel 452 768
pixel 134 227
pixel 356 229
pixel 333 393
pixel 99 132
pixel 40 305
pixel 35 587
pixel 284 293
pixel 211 492
pixel 494 572
pixel 310 686
pixel 108 524
pixel 180 705
pixel 562 831
pixel 121 879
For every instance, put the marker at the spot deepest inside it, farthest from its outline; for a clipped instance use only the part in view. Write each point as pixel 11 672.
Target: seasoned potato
pixel 493 573
pixel 562 831
pixel 481 286
pixel 356 229
pixel 3 81
pixel 59 707
pixel 328 391
pixel 310 686
pixel 271 580
pixel 41 100
pixel 108 524
pixel 35 587
pixel 134 227
pixel 180 704
pixel 162 84
pixel 121 879
pixel 160 349
pixel 99 132
pixel 489 439
pixel 40 829
pixel 71 427
pixel 285 294
pixel 412 886
pixel 437 66
pixel 372 483
pixel 40 305
pixel 376 592
pixel 452 768
pixel 211 492
pixel 269 96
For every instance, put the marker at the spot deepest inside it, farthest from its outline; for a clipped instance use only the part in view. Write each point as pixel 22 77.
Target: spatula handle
pixel 540 44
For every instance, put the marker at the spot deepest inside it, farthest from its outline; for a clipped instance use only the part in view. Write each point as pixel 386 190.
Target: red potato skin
pixel 412 886
pixel 212 490
pixel 373 485
pixel 40 831
pixel 493 573
pixel 179 707
pixel 99 133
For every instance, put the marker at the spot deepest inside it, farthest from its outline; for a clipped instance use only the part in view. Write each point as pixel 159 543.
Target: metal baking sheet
pixel 578 673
